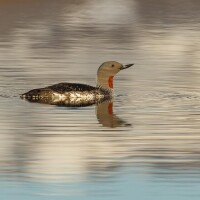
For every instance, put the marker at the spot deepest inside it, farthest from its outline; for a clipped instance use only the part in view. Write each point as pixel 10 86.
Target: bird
pixel 78 94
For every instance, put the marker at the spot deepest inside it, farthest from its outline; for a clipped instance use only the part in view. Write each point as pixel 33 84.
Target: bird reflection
pixel 104 109
pixel 105 115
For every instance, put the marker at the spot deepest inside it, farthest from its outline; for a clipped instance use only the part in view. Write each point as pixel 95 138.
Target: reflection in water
pixel 42 42
pixel 104 109
pixel 106 117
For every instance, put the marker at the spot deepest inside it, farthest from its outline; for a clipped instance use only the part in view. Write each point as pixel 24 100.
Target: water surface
pixel 152 152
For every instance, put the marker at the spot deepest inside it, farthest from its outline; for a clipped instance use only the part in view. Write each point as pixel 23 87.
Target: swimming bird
pixel 78 94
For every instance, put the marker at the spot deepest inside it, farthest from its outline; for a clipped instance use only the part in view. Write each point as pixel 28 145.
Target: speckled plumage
pixel 68 94
pixel 76 94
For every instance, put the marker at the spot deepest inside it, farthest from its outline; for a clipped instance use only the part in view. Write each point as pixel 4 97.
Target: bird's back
pixel 71 87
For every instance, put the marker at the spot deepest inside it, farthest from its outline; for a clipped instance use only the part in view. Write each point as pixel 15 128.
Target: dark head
pixel 107 71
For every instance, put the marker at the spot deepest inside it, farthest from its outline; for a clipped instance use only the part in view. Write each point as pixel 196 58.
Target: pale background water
pixel 51 152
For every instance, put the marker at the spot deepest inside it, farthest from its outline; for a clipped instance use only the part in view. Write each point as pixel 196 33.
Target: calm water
pixel 149 148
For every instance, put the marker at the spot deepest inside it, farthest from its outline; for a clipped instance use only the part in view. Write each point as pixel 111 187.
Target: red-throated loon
pixel 76 93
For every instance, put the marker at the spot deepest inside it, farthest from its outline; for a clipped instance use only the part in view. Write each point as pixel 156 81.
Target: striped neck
pixel 105 90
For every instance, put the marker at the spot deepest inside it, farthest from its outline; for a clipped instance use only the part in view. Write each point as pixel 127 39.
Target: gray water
pixel 53 152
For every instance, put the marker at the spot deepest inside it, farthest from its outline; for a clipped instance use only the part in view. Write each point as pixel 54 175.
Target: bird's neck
pixel 105 82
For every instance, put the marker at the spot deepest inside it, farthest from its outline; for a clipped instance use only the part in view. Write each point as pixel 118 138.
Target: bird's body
pixel 76 93
pixel 68 94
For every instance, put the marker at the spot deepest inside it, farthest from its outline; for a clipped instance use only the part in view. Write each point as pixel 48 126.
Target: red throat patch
pixel 110 108
pixel 110 81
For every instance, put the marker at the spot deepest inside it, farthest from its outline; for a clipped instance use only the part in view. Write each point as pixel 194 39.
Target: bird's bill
pixel 126 66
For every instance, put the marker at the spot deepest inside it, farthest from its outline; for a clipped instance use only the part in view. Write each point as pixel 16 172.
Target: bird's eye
pixel 112 65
